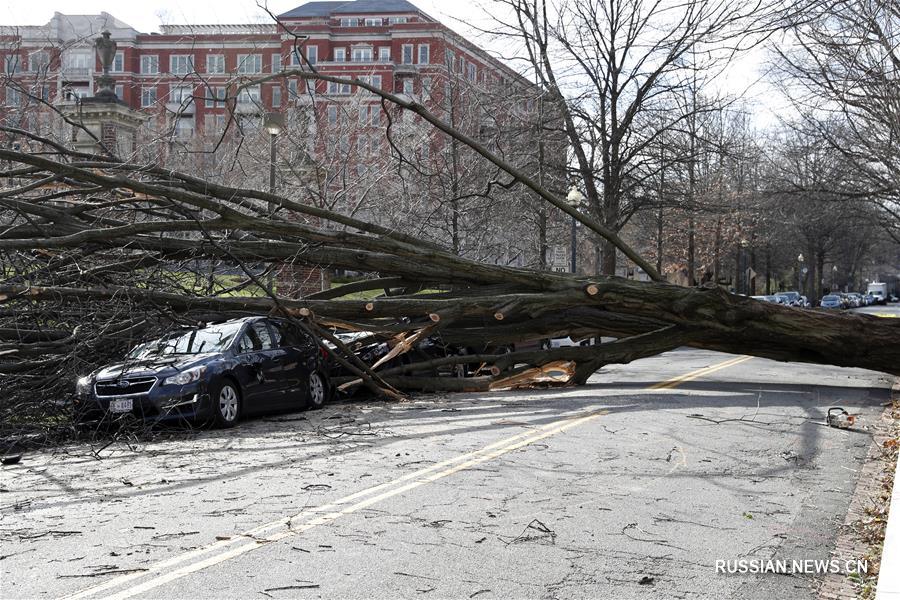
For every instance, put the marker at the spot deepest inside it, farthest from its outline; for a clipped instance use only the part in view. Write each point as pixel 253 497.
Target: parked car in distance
pixel 831 301
pixel 216 374
pixel 856 300
pixel 789 298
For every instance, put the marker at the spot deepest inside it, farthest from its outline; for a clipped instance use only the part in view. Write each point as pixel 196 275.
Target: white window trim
pixel 172 61
pixel 244 59
pixel 155 97
pixel 215 56
pixel 412 54
pixel 150 58
pixel 427 49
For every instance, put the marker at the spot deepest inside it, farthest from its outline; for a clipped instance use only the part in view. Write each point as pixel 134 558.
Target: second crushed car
pixel 216 374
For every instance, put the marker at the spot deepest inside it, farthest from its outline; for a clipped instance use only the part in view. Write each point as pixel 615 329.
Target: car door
pixel 259 368
pixel 297 353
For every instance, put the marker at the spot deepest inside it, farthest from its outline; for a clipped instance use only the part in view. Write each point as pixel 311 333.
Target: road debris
pixel 11 459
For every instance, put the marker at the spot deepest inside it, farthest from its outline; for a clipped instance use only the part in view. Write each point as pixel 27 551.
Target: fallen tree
pixel 99 253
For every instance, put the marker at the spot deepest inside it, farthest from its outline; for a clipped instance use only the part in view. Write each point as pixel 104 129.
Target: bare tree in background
pixel 843 75
pixel 614 68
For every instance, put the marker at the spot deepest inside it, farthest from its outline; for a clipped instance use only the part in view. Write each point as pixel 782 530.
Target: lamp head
pixel 274 123
pixel 575 197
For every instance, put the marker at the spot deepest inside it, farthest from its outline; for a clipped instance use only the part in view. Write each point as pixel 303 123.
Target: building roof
pixel 324 9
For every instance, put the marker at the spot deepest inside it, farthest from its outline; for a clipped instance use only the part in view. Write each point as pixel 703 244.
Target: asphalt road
pixel 620 489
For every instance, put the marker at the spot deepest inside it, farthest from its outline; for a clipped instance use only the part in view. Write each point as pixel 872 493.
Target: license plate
pixel 121 405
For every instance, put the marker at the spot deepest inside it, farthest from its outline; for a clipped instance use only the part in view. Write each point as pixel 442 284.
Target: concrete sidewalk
pixel 889 576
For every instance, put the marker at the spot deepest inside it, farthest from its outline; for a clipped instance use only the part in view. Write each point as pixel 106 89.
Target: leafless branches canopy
pixel 101 251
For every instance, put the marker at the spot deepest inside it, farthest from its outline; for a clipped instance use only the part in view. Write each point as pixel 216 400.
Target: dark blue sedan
pixel 215 374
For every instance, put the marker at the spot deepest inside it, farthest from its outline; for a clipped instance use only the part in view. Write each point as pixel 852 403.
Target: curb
pixel 888 587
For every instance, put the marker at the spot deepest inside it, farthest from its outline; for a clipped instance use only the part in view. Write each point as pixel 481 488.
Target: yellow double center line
pixel 184 564
pixel 676 381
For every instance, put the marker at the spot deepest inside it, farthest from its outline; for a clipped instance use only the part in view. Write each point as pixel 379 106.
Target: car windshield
pixel 210 339
pixel 831 299
pixel 790 295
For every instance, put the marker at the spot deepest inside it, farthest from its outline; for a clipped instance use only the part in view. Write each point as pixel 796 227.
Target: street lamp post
pixel 800 273
pixel 833 274
pixel 575 198
pixel 743 266
pixel 274 124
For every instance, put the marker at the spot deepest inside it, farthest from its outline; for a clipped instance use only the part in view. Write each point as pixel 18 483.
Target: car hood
pixel 154 365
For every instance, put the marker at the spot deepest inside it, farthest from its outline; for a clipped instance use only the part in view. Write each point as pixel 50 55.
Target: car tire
pixel 225 397
pixel 317 391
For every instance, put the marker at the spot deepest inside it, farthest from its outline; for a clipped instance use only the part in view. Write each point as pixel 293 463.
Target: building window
pixel 181 95
pixel 118 65
pixel 332 113
pixel 345 143
pixel 370 115
pixel 215 97
pixel 148 97
pixel 276 63
pixel 215 63
pixel 79 61
pixel 150 64
pixel 292 88
pixel 424 54
pixel 362 55
pixel 39 61
pixel 214 124
pixel 408 86
pixel 311 86
pixel 384 54
pixel 120 91
pixel 373 80
pixel 11 64
pixel 312 54
pixel 249 95
pixel 338 88
pixel 249 63
pixel 340 54
pixel 426 87
pixel 374 22
pixel 471 72
pixel 184 127
pixel 276 96
pixel 395 20
pixel 13 96
pixel 407 54
pixel 181 64
pixel 349 22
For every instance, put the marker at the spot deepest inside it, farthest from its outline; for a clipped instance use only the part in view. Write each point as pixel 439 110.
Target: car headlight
pixel 83 385
pixel 185 377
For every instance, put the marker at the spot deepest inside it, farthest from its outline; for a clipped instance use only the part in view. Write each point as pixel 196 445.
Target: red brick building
pixel 191 81
pixel 188 71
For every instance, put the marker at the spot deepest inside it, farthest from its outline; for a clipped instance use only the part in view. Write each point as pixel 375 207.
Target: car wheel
pixel 318 391
pixel 226 404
